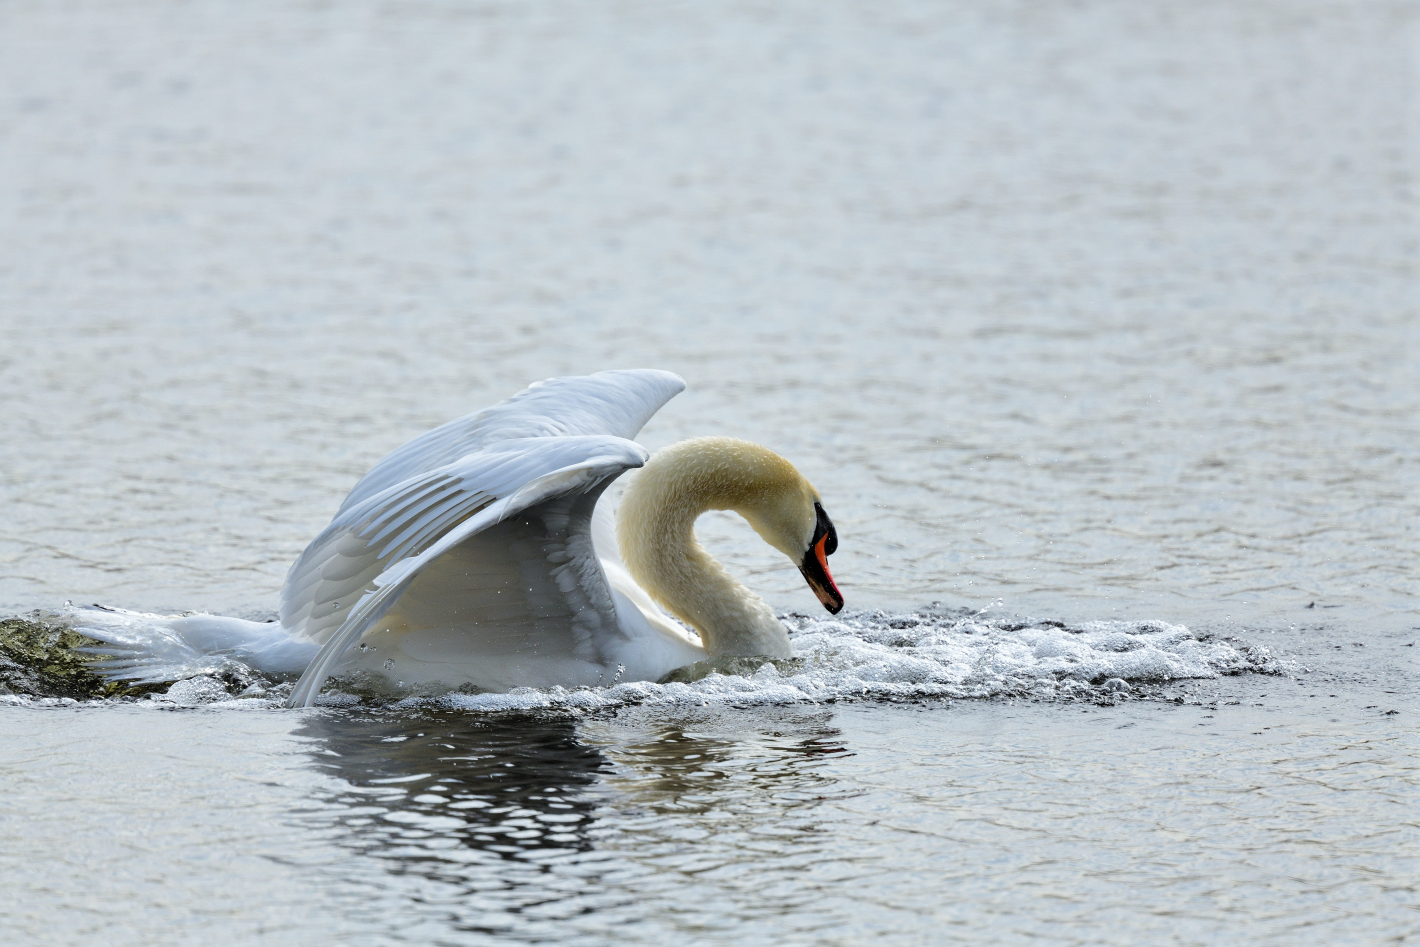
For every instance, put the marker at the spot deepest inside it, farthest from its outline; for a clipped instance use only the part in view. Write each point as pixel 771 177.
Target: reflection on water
pixel 809 825
pixel 732 805
pixel 685 763
pixel 505 785
pixel 512 823
pixel 473 818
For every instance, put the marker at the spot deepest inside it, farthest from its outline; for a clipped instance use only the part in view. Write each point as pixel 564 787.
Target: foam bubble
pixel 195 691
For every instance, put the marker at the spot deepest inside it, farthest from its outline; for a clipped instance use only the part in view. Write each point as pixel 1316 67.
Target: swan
pixel 478 555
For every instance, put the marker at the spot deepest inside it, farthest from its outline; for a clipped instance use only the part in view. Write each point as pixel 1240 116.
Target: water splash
pixel 884 656
pixel 863 656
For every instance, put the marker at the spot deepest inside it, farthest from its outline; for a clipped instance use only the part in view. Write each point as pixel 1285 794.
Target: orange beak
pixel 815 565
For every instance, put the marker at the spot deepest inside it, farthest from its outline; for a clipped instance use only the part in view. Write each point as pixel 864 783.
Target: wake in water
pixel 934 654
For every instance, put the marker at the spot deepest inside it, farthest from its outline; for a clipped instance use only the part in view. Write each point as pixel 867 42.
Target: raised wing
pixel 533 582
pixel 616 403
pixel 361 543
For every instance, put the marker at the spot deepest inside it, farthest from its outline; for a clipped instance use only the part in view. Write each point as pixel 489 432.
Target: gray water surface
pixel 1099 311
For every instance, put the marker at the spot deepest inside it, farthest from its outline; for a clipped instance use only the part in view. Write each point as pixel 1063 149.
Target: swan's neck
pixel 656 535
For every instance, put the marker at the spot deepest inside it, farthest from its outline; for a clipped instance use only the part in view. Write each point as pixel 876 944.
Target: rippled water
pixel 1085 313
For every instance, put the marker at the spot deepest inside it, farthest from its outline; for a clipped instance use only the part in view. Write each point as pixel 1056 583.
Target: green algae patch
pixel 40 660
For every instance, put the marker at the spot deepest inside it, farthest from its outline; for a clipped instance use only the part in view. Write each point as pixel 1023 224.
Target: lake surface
pixel 1095 324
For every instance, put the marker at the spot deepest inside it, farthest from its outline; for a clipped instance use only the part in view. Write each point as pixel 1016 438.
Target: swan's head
pixel 786 511
pixel 791 518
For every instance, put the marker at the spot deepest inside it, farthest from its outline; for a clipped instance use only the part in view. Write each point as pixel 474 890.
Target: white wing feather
pixel 340 564
pixel 361 564
pixel 616 403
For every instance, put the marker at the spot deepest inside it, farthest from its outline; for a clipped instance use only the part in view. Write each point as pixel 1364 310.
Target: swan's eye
pixel 824 527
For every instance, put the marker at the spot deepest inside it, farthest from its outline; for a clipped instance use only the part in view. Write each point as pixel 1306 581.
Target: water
pixel 1092 313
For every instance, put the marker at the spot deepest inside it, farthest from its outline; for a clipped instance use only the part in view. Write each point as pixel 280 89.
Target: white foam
pixel 195 691
pixel 878 656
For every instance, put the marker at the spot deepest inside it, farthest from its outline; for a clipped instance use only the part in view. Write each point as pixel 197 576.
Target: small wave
pixel 863 656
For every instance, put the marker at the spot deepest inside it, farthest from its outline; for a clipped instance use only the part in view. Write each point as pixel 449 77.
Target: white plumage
pixel 476 555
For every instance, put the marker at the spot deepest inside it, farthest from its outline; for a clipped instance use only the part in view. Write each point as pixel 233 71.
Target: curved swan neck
pixel 656 536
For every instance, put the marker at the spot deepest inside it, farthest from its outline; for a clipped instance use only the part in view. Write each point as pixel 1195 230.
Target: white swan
pixel 477 554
